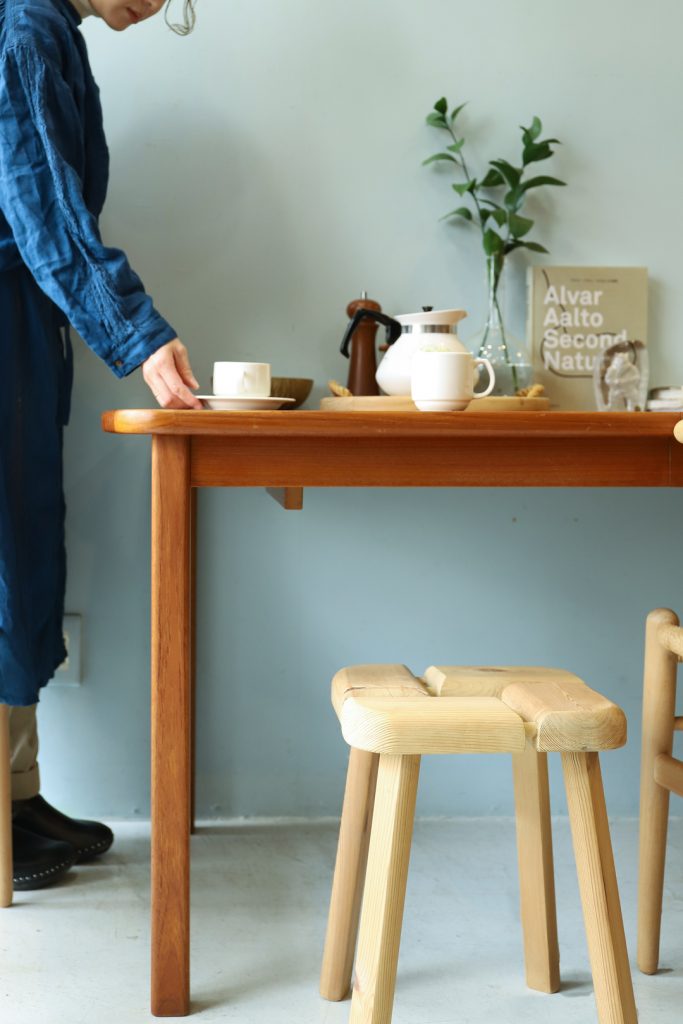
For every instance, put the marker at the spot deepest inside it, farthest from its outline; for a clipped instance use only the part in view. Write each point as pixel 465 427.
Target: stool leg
pixel 599 892
pixel 385 887
pixel 349 875
pixel 5 811
pixel 659 699
pixel 536 875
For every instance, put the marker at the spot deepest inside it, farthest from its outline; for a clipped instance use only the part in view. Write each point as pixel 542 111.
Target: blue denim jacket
pixel 54 168
pixel 54 268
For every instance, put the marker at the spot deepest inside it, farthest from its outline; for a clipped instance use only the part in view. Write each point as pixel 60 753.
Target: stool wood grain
pixel 388 713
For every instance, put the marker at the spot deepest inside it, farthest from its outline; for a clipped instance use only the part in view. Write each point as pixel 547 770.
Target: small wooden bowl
pixel 298 388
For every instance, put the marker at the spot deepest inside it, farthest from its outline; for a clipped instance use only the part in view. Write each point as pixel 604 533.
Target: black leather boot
pixel 89 838
pixel 36 861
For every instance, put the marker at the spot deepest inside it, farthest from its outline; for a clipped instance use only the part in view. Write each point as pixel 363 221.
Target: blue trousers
pixel 35 389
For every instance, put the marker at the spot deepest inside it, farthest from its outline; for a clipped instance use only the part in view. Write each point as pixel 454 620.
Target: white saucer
pixel 233 402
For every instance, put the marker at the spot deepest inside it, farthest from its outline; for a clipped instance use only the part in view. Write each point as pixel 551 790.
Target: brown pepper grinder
pixel 363 363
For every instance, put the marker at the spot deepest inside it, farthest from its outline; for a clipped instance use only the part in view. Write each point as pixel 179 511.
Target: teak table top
pixel 336 449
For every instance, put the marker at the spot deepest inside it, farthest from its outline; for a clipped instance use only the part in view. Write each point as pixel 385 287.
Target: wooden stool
pixel 660 774
pixel 389 718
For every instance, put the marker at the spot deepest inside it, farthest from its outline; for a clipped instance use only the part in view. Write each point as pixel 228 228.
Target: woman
pixel 55 270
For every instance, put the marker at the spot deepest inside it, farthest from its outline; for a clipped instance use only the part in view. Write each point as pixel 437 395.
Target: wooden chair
pixel 661 774
pixel 5 812
pixel 390 718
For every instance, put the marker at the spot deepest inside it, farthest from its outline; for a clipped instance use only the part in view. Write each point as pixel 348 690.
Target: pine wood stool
pixel 661 774
pixel 390 718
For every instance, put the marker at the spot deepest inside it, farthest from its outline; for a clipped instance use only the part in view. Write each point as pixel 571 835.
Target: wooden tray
pixel 508 403
pixel 369 403
pixel 387 403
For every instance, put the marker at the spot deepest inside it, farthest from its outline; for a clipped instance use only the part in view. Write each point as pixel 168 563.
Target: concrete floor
pixel 79 952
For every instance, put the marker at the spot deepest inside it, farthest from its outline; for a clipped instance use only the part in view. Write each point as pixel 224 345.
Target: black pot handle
pixel 393 327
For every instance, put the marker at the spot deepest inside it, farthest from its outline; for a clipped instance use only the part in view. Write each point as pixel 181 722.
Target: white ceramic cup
pixel 237 380
pixel 443 381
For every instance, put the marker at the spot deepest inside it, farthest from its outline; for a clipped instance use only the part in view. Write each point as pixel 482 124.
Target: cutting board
pixel 508 403
pixel 387 403
pixel 369 403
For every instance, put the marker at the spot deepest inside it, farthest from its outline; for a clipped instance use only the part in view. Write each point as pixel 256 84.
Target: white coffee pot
pixel 431 328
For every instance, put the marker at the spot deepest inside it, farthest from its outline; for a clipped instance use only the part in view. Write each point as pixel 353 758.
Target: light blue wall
pixel 264 171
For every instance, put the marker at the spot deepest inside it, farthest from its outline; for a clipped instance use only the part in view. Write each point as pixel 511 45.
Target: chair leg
pixel 536 876
pixel 599 892
pixel 385 887
pixel 349 875
pixel 5 811
pixel 659 697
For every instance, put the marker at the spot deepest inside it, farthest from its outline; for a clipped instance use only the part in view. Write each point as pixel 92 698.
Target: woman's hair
pixel 189 18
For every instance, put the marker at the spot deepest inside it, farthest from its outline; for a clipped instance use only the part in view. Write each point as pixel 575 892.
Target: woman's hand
pixel 169 377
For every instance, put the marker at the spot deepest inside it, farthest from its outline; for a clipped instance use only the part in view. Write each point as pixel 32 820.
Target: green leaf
pixel 462 211
pixel 541 180
pixel 534 246
pixel 510 173
pixel 513 199
pixel 440 156
pixel 456 146
pixel 493 243
pixel 500 217
pixel 536 151
pixel 519 225
pixel 531 133
pixel 492 179
pixel 467 186
pixel 437 120
pixel 442 106
pixel 457 111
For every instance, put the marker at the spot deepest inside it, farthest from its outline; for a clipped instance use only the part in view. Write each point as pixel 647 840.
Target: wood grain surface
pixel 323 449
pixel 171 702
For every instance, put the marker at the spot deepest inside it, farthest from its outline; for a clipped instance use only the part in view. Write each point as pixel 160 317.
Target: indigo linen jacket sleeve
pixel 42 198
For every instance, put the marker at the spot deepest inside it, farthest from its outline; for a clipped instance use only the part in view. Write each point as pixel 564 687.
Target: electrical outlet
pixel 69 672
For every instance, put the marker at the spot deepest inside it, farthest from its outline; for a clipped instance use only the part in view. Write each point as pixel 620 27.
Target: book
pixel 574 315
pixel 664 405
pixel 668 393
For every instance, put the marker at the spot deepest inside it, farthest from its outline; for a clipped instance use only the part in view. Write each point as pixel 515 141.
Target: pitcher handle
pixel 492 378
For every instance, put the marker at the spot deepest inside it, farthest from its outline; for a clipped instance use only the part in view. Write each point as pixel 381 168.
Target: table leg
pixel 170 726
pixel 193 656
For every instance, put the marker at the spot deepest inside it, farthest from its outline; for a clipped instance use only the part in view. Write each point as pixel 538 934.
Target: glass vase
pixel 507 354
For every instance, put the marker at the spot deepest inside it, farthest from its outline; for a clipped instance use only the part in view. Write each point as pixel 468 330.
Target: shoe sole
pixel 89 853
pixel 41 879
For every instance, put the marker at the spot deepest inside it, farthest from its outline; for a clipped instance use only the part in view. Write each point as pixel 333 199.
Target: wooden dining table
pixel 285 452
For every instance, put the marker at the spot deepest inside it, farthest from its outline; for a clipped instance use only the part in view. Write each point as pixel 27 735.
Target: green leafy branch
pixel 498 216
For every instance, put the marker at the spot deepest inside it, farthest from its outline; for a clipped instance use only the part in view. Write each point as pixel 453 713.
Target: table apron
pixel 252 461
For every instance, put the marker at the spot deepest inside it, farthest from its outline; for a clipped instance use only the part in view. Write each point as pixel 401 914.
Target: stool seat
pixel 385 709
pixel 566 713
pixel 390 718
